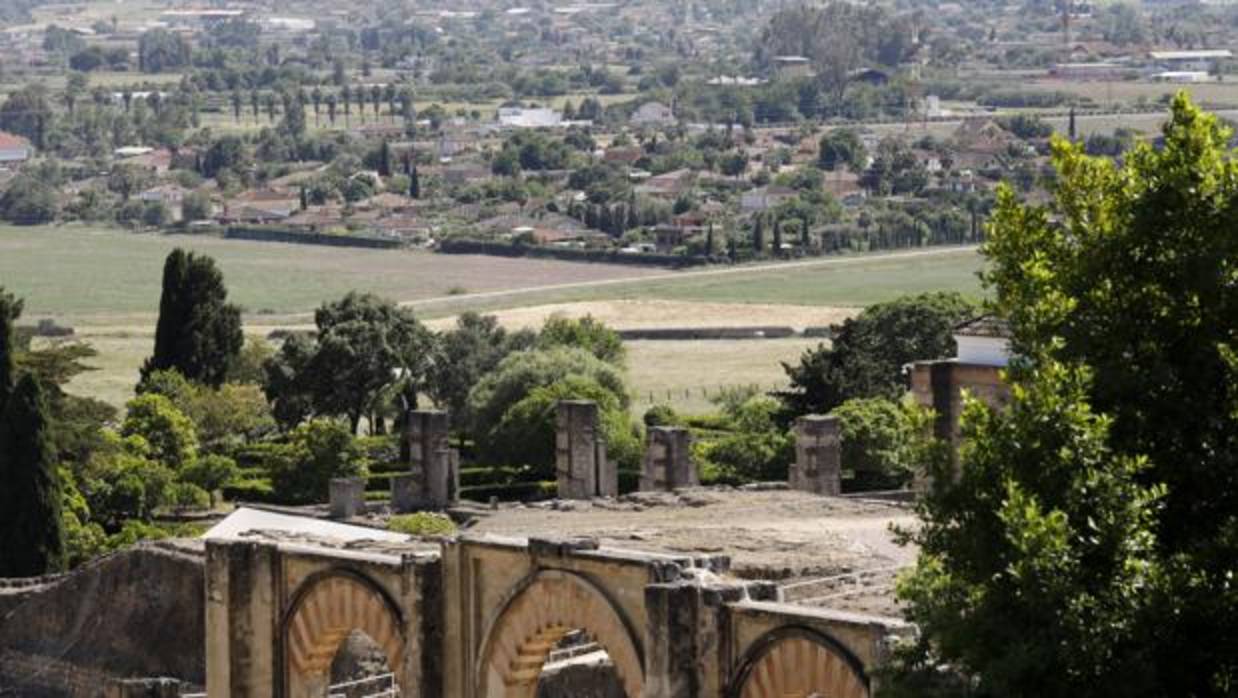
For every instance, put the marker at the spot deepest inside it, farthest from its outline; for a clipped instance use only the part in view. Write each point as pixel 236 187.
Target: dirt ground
pixel 799 540
pixel 643 314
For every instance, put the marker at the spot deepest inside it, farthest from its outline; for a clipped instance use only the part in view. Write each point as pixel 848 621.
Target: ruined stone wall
pixel 139 612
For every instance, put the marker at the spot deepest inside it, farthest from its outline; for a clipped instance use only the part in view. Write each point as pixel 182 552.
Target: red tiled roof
pixel 9 140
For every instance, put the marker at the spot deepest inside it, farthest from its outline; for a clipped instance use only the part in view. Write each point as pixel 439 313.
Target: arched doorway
pixel 799 662
pixel 534 624
pixel 326 609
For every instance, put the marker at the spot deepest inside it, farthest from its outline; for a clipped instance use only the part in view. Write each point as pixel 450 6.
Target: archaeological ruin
pixel 674 591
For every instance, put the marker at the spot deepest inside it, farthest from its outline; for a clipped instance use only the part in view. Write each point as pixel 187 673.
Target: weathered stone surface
pixel 818 456
pixel 668 460
pixel 347 497
pixel 139 612
pixel 581 466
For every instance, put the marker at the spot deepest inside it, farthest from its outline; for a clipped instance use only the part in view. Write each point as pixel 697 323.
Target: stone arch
pixel 325 609
pixel 540 612
pixel 798 662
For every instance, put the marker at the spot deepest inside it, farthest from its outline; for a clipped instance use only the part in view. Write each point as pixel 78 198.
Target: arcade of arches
pixel 479 617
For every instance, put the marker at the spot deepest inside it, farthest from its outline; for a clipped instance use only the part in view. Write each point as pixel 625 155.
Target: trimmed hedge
pixel 502 249
pixel 284 234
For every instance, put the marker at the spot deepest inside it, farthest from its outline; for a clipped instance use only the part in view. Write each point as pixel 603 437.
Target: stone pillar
pixel 668 460
pixel 436 487
pixel 404 493
pixel 581 465
pixel 687 635
pixel 347 497
pixel 427 433
pixel 242 619
pixel 143 688
pixel 818 456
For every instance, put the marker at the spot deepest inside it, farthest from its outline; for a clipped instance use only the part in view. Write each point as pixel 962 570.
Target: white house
pixel 521 117
pixel 1190 61
pixel 14 150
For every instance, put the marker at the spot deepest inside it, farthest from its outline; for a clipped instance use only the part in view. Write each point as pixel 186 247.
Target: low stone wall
pixel 502 249
pixel 276 234
pixel 693 333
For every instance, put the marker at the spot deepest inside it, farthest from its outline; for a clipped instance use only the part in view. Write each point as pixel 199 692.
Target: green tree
pixel 1101 514
pixel 211 473
pixel 587 333
pixel 466 354
pixel 367 349
pixel 883 442
pixel 198 332
pixel 29 201
pixel 839 148
pixel 171 436
pixel 31 525
pixel 160 50
pixel 868 352
pixel 28 113
pixel 515 379
pixel 321 449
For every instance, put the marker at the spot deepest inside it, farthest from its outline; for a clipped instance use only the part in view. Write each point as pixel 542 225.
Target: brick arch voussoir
pixel 798 661
pixel 326 608
pixel 549 606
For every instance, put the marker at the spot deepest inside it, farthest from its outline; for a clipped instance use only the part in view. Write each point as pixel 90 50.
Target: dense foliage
pixel 198 333
pixel 1094 527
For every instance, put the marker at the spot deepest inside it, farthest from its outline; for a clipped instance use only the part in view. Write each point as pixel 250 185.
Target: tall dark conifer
pixel 199 332
pixel 31 530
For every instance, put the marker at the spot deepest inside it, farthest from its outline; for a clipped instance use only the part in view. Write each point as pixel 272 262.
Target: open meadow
pixel 106 283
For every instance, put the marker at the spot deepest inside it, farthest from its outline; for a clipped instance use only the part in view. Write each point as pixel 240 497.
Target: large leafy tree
pixel 368 351
pixel 467 353
pixel 1094 528
pixel 868 352
pixel 199 332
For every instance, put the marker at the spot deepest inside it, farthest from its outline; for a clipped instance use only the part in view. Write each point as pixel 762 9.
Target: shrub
pixel 422 524
pixel 662 416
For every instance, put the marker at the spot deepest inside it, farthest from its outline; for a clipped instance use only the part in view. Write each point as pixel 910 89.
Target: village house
pixel 14 150
pixel 669 185
pixel 765 198
pixel 653 114
pixel 170 195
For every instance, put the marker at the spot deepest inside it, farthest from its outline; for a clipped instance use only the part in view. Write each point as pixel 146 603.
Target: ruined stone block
pixel 144 688
pixel 347 497
pixel 818 456
pixel 427 433
pixel 668 460
pixel 581 466
pixel 404 493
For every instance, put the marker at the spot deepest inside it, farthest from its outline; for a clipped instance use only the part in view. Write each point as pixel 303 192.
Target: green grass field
pixel 107 284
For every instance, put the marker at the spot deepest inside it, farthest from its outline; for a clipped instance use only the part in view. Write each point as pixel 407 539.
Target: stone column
pixel 242 619
pixel 818 456
pixel 427 432
pixel 668 460
pixel 581 466
pixel 347 497
pixel 436 487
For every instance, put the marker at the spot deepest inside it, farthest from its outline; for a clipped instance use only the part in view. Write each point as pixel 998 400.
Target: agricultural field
pixel 106 284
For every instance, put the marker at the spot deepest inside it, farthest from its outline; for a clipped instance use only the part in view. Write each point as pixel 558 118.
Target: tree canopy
pixel 198 332
pixel 868 352
pixel 1093 527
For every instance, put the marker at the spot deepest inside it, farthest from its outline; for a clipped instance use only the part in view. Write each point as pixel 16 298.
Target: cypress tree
pixel 10 310
pixel 414 184
pixel 758 236
pixel 384 159
pixel 31 530
pixel 199 332
pixel 1071 128
pixel 777 238
pixel 709 241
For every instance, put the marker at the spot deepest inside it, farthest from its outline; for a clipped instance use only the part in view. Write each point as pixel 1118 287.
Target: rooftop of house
pixel 984 326
pixel 10 140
